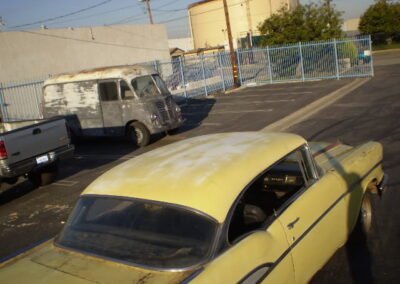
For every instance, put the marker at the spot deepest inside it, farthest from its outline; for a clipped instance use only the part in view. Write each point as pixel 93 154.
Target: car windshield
pixel 149 86
pixel 139 232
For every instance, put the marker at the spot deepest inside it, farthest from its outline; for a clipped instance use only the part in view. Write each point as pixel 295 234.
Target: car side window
pixel 108 91
pixel 268 194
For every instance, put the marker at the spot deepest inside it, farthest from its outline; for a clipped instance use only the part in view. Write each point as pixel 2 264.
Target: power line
pixel 96 14
pixel 174 10
pixel 166 4
pixel 91 41
pixel 62 16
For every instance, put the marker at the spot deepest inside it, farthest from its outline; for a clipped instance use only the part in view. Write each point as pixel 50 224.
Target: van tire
pixel 44 176
pixel 139 134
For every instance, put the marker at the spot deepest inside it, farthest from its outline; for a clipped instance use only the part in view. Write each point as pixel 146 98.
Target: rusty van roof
pixel 123 71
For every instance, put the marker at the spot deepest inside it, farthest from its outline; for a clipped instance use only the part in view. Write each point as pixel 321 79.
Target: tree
pixel 310 22
pixel 382 21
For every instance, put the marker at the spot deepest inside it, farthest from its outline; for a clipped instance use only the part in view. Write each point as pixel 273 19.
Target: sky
pixel 32 14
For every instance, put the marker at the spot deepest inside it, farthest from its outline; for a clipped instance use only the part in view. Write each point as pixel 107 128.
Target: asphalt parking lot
pixel 371 112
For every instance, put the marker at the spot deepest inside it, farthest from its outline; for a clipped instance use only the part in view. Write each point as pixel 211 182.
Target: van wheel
pixel 44 176
pixel 138 134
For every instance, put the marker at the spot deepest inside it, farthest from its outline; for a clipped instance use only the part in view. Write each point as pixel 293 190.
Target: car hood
pixel 50 264
pixel 327 155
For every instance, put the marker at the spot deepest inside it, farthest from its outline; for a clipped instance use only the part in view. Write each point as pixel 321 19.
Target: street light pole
pixel 148 10
pixel 231 49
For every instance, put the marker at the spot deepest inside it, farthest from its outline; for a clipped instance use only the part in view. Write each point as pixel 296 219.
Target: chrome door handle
pixel 291 224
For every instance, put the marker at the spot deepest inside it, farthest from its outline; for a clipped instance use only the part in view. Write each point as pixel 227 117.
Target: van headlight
pixel 154 119
pixel 177 109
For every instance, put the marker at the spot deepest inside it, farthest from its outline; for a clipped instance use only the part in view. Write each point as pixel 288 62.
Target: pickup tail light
pixel 3 150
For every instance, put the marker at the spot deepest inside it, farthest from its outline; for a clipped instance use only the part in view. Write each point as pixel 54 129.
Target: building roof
pixel 206 173
pixel 200 3
pixel 123 71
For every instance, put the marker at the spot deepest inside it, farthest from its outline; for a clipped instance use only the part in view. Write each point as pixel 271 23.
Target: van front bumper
pixel 167 126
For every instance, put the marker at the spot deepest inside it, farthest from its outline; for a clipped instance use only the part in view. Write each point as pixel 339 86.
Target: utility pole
pixel 232 51
pixel 148 10
pixel 1 24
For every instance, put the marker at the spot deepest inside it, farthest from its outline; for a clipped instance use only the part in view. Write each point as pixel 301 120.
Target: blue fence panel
pixel 354 58
pixel 21 100
pixel 307 61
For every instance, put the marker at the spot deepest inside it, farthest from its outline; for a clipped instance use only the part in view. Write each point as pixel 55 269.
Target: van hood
pixel 50 264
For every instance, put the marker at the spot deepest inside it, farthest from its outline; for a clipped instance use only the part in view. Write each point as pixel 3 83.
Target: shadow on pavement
pixel 195 111
pixel 91 153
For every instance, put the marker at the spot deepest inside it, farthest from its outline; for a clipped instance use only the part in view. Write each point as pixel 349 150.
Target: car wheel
pixel 138 134
pixel 365 216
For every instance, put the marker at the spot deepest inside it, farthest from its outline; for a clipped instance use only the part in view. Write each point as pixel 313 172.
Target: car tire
pixel 366 214
pixel 139 134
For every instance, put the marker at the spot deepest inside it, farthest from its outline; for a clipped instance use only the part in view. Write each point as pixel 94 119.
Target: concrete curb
pixel 314 107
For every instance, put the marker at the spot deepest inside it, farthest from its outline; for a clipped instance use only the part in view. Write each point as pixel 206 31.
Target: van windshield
pixel 149 86
pixel 141 232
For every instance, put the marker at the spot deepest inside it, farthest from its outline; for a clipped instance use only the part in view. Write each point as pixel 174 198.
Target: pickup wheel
pixel 44 176
pixel 138 134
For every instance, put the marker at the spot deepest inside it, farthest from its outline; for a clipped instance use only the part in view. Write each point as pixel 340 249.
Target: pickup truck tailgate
pixel 34 139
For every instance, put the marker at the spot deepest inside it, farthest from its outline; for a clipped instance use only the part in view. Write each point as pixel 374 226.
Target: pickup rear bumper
pixel 25 166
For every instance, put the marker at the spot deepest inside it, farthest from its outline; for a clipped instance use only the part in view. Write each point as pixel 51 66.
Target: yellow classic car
pixel 250 207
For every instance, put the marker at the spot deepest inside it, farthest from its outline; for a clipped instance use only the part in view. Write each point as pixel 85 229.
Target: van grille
pixel 167 110
pixel 162 110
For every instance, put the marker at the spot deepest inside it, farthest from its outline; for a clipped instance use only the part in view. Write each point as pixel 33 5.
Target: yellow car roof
pixel 206 173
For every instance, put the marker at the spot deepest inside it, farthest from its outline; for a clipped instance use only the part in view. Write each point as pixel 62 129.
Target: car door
pixel 252 259
pixel 111 107
pixel 314 220
pixel 253 244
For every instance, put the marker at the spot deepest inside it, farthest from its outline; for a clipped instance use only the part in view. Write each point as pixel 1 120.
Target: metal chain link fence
pixel 203 75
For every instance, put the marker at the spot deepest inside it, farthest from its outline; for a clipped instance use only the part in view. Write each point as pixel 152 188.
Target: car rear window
pixel 140 232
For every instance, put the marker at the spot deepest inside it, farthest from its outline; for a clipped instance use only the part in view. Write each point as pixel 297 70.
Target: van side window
pixel 126 93
pixel 108 91
pixel 268 195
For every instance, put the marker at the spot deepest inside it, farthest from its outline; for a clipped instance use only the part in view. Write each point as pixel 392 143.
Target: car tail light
pixel 3 150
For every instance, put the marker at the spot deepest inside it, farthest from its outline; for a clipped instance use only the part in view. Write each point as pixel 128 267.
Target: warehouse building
pixel 207 19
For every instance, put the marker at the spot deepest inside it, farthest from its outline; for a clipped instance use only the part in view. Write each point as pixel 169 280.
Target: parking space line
pixel 226 112
pixel 285 91
pixel 240 96
pixel 205 124
pixel 66 183
pixel 242 103
pixel 105 157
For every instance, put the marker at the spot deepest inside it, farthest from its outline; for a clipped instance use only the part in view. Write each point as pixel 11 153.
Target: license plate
pixel 42 159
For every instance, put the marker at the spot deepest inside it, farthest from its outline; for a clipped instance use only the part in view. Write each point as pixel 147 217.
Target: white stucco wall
pixel 33 54
pixel 185 44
